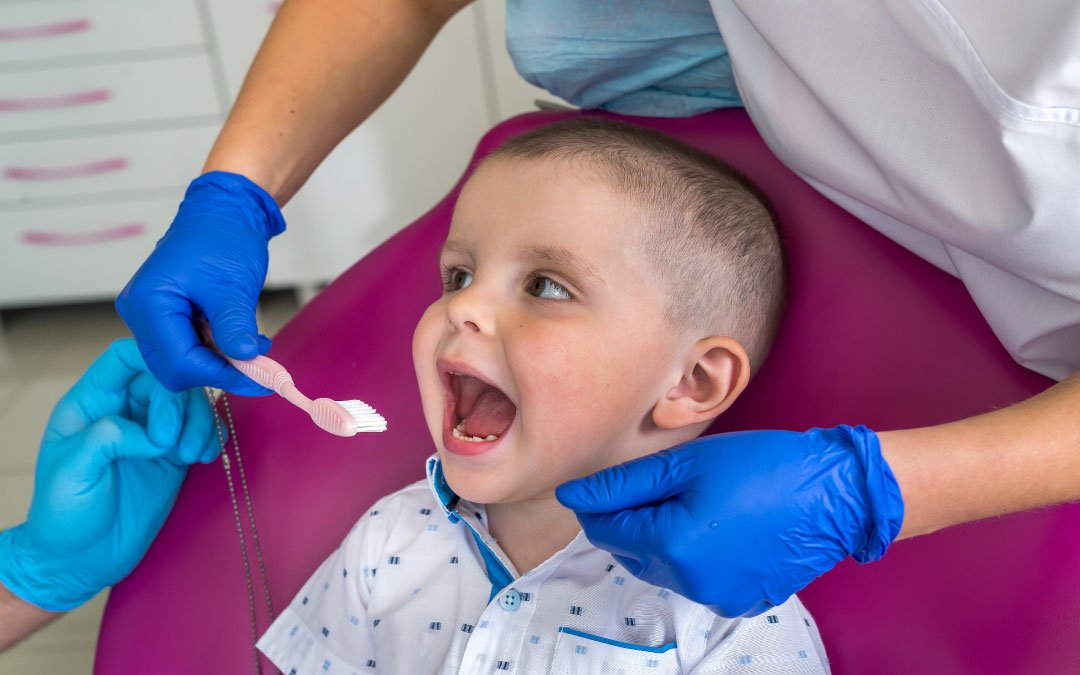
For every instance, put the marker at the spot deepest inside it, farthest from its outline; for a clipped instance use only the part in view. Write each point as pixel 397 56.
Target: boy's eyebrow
pixel 454 246
pixel 558 256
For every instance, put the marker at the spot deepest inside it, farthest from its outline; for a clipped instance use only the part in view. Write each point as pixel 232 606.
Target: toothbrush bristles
pixel 365 417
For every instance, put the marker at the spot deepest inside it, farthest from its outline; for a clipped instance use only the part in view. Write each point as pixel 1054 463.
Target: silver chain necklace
pixel 215 395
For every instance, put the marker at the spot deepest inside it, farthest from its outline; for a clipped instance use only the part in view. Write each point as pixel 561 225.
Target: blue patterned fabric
pixel 421 586
pixel 635 57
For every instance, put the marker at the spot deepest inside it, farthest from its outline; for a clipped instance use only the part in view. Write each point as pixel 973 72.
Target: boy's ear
pixel 716 373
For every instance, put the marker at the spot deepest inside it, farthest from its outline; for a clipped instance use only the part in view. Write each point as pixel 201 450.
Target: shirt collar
pixel 446 497
pixel 496 564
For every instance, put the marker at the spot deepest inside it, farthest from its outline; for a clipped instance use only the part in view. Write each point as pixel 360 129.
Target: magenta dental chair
pixel 873 335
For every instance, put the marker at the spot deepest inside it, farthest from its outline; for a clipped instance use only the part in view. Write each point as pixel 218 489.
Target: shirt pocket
pixel 579 652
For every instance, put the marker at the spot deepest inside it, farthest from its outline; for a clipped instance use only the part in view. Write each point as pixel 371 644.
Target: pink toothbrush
pixel 342 418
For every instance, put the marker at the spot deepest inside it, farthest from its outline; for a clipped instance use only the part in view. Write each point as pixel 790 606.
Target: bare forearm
pixel 1009 460
pixel 18 618
pixel 323 68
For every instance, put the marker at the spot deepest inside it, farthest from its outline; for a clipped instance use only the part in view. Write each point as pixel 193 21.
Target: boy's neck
pixel 530 532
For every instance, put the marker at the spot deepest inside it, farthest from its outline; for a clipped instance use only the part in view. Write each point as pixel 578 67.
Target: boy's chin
pixel 482 487
pixel 475 487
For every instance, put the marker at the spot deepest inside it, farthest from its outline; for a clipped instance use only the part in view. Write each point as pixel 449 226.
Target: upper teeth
pixel 459 432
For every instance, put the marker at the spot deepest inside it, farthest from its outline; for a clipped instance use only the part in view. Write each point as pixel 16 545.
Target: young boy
pixel 608 292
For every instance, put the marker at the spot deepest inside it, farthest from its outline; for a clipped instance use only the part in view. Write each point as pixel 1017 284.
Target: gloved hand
pixel 212 260
pixel 739 522
pixel 115 451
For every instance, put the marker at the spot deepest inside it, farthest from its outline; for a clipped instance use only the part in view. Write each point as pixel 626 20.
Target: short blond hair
pixel 712 233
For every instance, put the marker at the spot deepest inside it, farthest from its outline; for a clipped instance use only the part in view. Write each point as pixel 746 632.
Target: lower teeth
pixel 459 432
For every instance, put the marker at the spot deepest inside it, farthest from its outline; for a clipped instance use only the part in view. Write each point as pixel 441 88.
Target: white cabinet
pixel 39 103
pixel 37 30
pixel 108 108
pixel 52 250
pixel 101 166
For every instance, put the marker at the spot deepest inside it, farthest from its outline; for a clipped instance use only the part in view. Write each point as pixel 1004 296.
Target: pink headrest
pixel 872 335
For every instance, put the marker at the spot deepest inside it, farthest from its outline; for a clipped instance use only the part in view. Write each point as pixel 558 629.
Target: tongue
pixel 491 415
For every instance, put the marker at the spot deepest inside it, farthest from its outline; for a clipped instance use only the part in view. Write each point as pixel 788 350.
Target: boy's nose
pixel 468 312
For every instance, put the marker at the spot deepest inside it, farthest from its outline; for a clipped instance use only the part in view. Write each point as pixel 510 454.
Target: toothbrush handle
pixel 263 369
pixel 272 375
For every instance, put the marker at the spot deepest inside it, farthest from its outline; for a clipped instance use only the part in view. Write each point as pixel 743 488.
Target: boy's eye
pixel 456 279
pixel 542 287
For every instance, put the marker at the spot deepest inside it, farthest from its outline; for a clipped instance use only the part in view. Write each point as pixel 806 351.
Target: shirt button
pixel 510 600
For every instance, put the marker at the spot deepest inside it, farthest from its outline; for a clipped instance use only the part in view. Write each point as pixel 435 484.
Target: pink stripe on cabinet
pixel 45 30
pixel 60 101
pixel 83 238
pixel 62 172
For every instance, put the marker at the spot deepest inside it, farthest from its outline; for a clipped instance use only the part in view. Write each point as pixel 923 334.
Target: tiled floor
pixel 45 351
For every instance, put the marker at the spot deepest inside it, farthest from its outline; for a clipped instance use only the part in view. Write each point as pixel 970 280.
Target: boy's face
pixel 550 335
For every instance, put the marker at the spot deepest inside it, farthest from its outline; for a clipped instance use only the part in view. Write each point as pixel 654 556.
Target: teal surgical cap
pixel 660 58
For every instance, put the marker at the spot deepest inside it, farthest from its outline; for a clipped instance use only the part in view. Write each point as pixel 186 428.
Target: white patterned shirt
pixel 419 586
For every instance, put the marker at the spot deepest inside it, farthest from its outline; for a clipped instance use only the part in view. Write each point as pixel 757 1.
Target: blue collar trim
pixel 497 573
pixel 447 499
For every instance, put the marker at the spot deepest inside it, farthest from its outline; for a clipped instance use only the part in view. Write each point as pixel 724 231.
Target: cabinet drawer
pixel 128 163
pixel 31 31
pixel 160 89
pixel 77 253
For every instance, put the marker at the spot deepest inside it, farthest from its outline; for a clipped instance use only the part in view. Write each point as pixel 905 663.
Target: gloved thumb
pixel 642 481
pixel 235 331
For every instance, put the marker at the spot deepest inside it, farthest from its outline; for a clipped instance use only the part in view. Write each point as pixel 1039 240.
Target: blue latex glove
pixel 212 260
pixel 739 522
pixel 114 453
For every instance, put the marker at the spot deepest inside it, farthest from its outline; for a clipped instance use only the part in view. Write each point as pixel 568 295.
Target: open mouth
pixel 478 412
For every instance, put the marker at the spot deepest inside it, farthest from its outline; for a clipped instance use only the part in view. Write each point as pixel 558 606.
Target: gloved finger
pixel 161 321
pixel 115 368
pixel 639 540
pixel 228 378
pixel 139 393
pixel 101 391
pixel 231 314
pixel 109 440
pixel 173 351
pixel 189 363
pixel 741 607
pixel 641 481
pixel 198 441
pixel 632 565
pixel 165 414
pixel 629 534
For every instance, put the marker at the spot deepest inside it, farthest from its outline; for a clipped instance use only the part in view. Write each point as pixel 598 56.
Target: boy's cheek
pixel 570 383
pixel 425 341
pixel 424 344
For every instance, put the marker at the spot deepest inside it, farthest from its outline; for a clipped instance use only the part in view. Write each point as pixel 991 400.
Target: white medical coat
pixel 950 126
